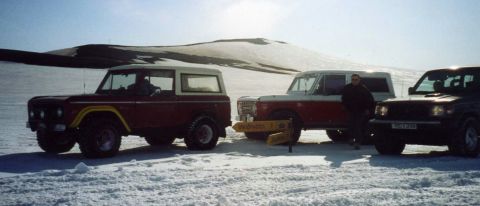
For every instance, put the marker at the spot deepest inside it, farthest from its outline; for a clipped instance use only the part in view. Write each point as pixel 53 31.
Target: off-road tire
pixel 297 124
pixel 100 138
pixel 159 141
pixel 465 141
pixel 202 134
pixel 387 145
pixel 52 142
pixel 338 135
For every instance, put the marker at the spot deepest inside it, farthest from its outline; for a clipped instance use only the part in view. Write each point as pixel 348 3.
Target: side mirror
pixel 410 90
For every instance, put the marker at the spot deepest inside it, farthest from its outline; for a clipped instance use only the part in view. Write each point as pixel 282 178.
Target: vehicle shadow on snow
pixel 38 161
pixel 334 153
pixel 436 160
pixel 237 147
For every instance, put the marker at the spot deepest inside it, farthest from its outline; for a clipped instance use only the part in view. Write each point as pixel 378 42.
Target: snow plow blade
pixel 278 138
pixel 262 126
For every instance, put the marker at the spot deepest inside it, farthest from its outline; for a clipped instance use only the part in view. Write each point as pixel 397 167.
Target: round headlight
pixel 59 112
pixel 381 110
pixel 438 110
pixel 42 114
pixel 31 114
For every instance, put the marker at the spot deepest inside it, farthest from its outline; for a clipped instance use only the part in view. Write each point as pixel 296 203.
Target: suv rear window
pixel 200 83
pixel 376 84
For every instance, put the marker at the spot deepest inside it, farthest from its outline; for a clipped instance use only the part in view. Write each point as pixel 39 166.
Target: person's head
pixel 355 79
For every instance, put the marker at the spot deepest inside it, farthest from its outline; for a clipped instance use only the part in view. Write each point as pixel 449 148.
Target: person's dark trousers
pixel 357 126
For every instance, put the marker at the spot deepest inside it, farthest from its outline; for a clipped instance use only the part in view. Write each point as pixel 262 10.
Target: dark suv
pixel 443 108
pixel 160 103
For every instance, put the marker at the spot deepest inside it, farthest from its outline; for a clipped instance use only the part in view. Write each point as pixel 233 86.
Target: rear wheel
pixel 159 141
pixel 466 140
pixel 100 138
pixel 338 135
pixel 202 134
pixel 387 145
pixel 296 123
pixel 53 142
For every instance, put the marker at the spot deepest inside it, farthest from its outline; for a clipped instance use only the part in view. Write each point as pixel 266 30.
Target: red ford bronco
pixel 160 103
pixel 313 101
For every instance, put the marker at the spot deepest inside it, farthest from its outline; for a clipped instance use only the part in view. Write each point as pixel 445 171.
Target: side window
pixel 200 83
pixel 334 84
pixel 122 83
pixel 301 84
pixel 320 88
pixel 156 83
pixel 376 84
pixel 108 84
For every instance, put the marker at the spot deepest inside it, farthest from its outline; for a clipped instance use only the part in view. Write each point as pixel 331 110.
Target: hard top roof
pixel 466 68
pixel 343 71
pixel 165 67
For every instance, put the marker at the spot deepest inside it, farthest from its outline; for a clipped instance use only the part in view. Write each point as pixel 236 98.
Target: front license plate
pixel 404 126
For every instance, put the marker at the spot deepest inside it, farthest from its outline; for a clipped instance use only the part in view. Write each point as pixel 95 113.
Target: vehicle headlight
pixel 381 110
pixel 59 112
pixel 31 114
pixel 439 110
pixel 42 114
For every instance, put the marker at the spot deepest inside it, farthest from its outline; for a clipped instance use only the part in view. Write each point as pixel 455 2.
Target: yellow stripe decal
pixel 78 119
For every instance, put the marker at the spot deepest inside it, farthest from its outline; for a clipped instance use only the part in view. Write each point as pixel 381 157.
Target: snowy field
pixel 237 172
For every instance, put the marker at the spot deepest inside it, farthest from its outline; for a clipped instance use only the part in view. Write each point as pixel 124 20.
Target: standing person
pixel 359 103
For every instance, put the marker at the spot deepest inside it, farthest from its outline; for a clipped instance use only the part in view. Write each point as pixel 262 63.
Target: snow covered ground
pixel 237 172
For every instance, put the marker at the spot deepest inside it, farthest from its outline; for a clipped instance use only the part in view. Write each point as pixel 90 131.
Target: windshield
pixel 303 84
pixel 118 83
pixel 448 81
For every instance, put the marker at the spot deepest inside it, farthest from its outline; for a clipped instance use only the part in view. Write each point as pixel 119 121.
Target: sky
pixel 412 34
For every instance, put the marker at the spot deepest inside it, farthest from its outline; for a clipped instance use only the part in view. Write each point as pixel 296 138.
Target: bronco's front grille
pixel 408 111
pixel 246 107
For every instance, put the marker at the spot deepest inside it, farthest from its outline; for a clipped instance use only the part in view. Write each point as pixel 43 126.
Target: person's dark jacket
pixel 357 99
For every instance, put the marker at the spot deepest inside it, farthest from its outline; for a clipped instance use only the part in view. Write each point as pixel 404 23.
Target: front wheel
pixel 100 138
pixel 202 134
pixel 387 145
pixel 52 142
pixel 466 141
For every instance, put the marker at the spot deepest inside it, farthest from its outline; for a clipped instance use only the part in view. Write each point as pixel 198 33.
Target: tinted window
pixel 334 84
pixel 448 81
pixel 200 83
pixel 376 84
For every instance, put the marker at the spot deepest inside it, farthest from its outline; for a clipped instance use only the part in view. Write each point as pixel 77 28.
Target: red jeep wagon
pixel 313 101
pixel 160 103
